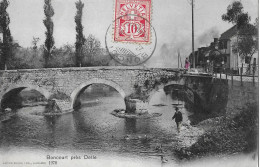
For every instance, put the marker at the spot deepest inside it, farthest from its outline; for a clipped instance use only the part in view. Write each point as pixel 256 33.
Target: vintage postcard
pixel 135 83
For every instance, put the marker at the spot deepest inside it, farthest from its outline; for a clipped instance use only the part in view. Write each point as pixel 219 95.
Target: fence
pixel 245 73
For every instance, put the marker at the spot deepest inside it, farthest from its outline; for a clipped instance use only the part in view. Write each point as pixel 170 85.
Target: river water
pixel 92 128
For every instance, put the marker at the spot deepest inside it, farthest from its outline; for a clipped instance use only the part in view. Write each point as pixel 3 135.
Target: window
pixel 223 44
pixel 220 45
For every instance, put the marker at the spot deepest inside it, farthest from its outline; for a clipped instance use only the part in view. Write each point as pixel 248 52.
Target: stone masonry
pixel 65 84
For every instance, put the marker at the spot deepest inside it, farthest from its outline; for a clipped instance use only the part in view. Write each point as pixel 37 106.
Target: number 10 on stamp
pixel 132 21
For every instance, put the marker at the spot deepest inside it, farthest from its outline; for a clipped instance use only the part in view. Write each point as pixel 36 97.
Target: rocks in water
pixel 122 112
pixel 159 105
pixel 127 137
pixel 4 118
pixel 119 110
pixel 138 137
pixel 8 110
pixel 142 111
pixel 186 124
pixel 6 115
pixel 52 108
pixel 144 114
pixel 163 159
pixel 158 148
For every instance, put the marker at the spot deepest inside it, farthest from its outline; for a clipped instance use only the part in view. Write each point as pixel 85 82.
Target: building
pixel 227 41
pixel 221 53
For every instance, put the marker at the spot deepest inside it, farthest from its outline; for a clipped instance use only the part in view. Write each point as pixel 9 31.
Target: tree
pixel 91 48
pixel 34 42
pixel 63 56
pixel 247 41
pixel 80 39
pixel 7 38
pixel 236 15
pixel 26 58
pixel 233 11
pixel 49 42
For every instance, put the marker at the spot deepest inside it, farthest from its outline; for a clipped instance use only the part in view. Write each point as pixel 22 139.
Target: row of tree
pixel 64 56
pixel 85 52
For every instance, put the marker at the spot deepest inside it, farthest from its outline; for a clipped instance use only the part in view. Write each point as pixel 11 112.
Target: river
pixel 92 128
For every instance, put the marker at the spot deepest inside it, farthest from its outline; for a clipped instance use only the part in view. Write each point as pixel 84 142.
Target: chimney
pixel 215 40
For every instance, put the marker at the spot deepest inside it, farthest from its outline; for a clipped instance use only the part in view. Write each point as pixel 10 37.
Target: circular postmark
pixel 131 40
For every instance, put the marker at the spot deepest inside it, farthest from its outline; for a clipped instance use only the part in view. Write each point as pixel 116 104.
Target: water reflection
pixel 92 127
pixel 130 126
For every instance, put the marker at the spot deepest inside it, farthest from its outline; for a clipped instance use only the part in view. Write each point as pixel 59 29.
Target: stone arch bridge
pixel 65 84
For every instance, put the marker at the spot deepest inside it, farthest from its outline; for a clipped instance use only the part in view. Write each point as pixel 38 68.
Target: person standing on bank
pixel 178 118
pixel 187 63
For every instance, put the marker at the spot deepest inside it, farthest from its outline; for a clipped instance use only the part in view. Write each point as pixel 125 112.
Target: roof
pixel 229 33
pixel 249 29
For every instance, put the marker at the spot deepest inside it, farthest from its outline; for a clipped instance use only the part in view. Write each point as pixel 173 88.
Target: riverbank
pixel 225 135
pixel 6 116
pixel 32 104
pixel 121 113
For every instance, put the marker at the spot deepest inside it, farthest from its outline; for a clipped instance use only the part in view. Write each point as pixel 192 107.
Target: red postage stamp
pixel 132 21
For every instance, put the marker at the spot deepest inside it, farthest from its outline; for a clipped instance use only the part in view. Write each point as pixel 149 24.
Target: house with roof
pixel 226 43
pixel 233 60
pixel 221 53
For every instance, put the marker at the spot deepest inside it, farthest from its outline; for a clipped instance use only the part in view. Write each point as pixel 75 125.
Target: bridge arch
pixel 14 90
pixel 189 91
pixel 162 86
pixel 83 86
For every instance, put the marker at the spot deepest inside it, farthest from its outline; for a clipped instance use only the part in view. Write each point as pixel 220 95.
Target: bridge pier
pixel 64 105
pixel 57 107
pixel 135 106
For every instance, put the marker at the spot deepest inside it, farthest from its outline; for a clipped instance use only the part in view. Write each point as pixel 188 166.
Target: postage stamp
pixel 130 53
pixel 131 39
pixel 132 21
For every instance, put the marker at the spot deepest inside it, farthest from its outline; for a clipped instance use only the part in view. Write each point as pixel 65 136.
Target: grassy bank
pixel 226 135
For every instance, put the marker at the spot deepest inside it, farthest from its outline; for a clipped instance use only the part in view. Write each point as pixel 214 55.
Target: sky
pixel 171 20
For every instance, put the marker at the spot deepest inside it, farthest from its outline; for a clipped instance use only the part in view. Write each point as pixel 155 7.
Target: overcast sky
pixel 170 18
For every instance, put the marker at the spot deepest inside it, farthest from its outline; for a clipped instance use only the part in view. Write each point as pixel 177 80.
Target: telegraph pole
pixel 193 54
pixel 178 58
